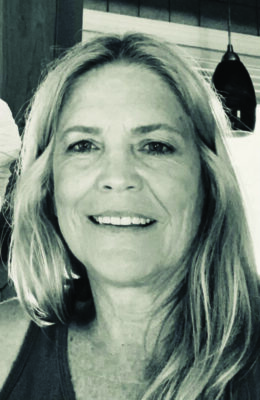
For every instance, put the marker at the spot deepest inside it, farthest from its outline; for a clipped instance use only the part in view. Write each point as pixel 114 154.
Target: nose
pixel 119 174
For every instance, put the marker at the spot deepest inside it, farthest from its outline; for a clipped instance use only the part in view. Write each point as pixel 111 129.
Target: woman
pixel 130 248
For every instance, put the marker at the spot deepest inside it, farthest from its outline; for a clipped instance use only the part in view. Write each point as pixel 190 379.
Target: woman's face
pixel 127 179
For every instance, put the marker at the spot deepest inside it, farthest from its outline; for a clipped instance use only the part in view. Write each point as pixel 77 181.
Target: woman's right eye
pixel 83 146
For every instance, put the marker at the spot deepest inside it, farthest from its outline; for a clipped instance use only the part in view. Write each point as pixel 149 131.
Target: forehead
pixel 119 91
pixel 120 79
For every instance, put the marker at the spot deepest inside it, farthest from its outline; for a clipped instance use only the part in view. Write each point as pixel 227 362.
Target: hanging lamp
pixel 232 81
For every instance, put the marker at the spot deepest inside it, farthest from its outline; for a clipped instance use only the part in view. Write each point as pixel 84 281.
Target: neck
pixel 127 325
pixel 126 317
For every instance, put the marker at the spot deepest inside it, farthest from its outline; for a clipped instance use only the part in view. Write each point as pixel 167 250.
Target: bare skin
pixel 115 348
pixel 13 326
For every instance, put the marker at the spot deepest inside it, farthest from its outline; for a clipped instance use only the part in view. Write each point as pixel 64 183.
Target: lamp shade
pixel 232 81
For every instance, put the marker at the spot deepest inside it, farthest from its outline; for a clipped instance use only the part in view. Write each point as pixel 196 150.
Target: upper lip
pixel 123 213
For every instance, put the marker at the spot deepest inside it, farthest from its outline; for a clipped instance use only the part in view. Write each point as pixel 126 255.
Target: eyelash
pixel 159 148
pixel 83 146
pixel 154 148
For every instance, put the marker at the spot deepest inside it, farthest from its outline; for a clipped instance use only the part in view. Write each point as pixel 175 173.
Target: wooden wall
pixel 245 14
pixel 30 34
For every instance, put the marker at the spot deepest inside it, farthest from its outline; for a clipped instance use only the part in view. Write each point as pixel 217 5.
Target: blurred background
pixel 33 33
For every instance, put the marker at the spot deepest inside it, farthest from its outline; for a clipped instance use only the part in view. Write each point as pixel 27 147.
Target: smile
pixel 124 221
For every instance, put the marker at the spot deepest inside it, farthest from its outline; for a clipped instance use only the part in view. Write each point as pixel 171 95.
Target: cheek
pixel 184 218
pixel 184 206
pixel 66 195
pixel 73 180
pixel 63 193
pixel 183 201
pixel 69 188
pixel 66 199
pixel 181 188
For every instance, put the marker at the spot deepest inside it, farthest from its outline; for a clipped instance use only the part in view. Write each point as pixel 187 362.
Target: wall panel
pixel 100 5
pixel 184 12
pixel 124 7
pixel 27 32
pixel 245 14
pixel 244 18
pixel 155 9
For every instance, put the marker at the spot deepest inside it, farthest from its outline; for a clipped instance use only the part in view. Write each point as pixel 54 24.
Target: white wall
pixel 245 153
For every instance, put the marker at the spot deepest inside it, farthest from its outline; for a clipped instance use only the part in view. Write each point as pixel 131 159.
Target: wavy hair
pixel 212 324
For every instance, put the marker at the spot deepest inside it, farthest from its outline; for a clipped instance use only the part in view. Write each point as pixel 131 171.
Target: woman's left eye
pixel 158 148
pixel 83 146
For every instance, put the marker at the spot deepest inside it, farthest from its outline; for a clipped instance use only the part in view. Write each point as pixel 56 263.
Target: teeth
pixel 115 220
pixel 125 221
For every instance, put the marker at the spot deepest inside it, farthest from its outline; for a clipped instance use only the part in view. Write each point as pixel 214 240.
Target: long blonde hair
pixel 212 323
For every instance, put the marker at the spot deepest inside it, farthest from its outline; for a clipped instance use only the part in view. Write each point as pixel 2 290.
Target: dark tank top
pixel 41 370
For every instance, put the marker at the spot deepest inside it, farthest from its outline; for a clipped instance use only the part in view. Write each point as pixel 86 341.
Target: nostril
pixel 110 187
pixel 119 181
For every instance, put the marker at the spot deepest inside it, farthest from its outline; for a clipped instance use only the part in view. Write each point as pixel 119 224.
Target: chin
pixel 123 271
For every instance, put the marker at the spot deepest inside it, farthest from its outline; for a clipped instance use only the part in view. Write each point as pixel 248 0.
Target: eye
pixel 158 148
pixel 83 146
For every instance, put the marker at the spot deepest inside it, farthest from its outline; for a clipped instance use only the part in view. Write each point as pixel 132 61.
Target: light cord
pixel 229 24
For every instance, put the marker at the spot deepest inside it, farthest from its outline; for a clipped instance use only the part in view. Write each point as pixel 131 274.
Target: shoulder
pixel 11 311
pixel 4 108
pixel 13 327
pixel 5 113
pixel 13 321
pixel 9 134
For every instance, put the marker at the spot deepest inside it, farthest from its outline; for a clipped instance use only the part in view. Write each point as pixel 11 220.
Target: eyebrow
pixel 143 129
pixel 139 130
pixel 83 129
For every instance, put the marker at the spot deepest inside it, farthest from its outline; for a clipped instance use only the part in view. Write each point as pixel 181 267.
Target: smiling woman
pixel 141 163
pixel 130 248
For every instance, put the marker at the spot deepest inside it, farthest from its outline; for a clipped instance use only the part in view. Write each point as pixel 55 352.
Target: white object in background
pixel 245 156
pixel 205 45
pixel 10 144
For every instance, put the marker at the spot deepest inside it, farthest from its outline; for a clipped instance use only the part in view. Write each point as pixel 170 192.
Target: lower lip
pixel 118 228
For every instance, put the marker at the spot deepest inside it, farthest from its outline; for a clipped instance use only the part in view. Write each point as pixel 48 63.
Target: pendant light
pixel 232 81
